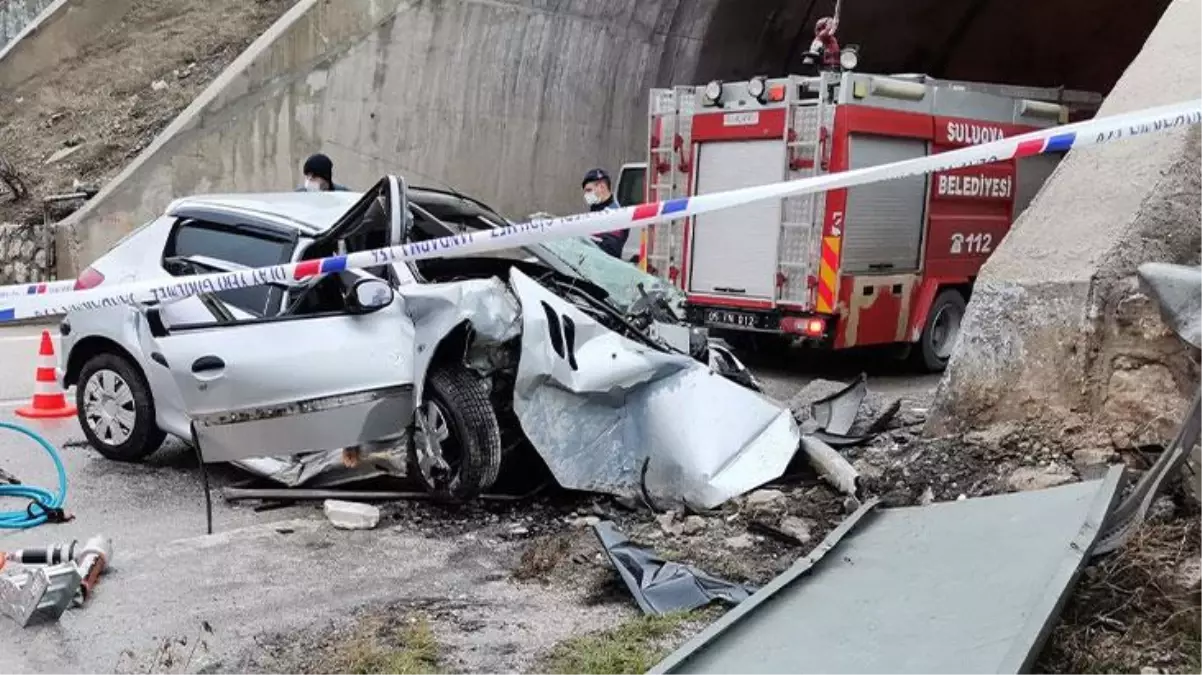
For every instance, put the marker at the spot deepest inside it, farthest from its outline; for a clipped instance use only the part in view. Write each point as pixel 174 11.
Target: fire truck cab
pixel 883 264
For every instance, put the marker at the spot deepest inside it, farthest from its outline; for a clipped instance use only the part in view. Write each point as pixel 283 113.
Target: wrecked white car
pixel 451 362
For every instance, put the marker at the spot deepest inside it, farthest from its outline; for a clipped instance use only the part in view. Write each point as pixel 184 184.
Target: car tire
pixel 109 384
pixel 940 332
pixel 461 399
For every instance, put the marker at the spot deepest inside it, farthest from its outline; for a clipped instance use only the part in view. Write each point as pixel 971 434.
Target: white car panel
pixel 241 403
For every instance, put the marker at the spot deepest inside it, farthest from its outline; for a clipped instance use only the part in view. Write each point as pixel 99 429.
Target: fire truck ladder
pixel 801 221
pixel 662 183
pixel 675 107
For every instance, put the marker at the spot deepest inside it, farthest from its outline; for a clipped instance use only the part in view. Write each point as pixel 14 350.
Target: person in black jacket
pixel 598 194
pixel 319 175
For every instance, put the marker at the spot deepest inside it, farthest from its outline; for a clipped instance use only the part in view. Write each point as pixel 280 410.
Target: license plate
pixel 726 317
pixel 741 119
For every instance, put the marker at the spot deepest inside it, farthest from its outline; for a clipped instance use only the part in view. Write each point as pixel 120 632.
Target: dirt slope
pixel 106 105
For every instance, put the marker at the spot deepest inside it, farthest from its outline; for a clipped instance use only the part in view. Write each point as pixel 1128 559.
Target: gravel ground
pixel 496 586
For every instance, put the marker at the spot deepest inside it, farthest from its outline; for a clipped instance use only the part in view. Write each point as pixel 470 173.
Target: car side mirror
pixel 369 295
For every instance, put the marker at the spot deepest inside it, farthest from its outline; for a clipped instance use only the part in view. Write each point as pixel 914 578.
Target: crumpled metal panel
pixel 610 415
pixel 970 586
pixel 1178 291
pixel 326 468
pixel 836 414
pixel 437 309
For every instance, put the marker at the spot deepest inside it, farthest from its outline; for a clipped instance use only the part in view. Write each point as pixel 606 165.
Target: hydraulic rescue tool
pixel 56 576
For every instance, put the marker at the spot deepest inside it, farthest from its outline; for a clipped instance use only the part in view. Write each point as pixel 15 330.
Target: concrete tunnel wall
pixel 1057 329
pixel 511 100
pixel 507 101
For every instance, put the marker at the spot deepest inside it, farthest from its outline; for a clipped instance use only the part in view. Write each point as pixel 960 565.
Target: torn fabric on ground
pixel 661 586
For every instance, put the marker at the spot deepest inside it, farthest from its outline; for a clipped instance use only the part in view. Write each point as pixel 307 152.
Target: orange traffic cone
pixel 48 400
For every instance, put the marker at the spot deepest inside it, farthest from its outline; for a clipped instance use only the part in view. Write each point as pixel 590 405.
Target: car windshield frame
pixel 578 256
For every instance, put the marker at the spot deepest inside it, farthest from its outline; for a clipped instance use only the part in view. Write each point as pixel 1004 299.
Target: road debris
pixel 791 530
pixel 836 413
pixel 739 542
pixel 1040 478
pixel 832 466
pixel 51 579
pixel 915 576
pixel 761 499
pixel 662 587
pixel 351 515
pixel 39 595
pixel 799 529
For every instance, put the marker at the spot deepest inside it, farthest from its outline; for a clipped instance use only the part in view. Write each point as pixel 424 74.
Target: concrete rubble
pixel 351 515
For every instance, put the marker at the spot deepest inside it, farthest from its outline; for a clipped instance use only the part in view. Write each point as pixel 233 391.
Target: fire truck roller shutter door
pixel 884 220
pixel 734 250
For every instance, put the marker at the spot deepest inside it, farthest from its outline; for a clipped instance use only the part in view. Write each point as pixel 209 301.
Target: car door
pixel 377 220
pixel 289 383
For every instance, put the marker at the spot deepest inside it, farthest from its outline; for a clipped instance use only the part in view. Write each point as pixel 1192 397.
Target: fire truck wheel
pixel 941 331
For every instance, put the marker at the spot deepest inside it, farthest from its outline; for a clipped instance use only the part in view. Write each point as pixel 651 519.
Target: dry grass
pixel 1132 610
pixel 406 648
pixel 103 99
pixel 632 647
pixel 542 556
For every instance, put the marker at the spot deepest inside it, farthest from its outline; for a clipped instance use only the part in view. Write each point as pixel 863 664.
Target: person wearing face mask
pixel 319 175
pixel 598 194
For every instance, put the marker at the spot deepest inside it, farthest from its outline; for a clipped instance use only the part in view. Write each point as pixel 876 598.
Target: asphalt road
pixel 18 359
pixel 272 571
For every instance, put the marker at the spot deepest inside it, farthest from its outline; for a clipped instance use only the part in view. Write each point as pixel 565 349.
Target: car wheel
pixel 941 331
pixel 460 418
pixel 116 409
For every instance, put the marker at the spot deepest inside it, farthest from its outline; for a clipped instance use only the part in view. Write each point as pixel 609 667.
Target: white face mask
pixel 591 198
pixel 312 185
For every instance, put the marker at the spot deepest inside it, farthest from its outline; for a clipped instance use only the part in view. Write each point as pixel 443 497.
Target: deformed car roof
pixel 311 213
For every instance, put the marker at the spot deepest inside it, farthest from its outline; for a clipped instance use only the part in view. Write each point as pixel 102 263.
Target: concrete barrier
pixel 1057 335
pixel 62 28
pixel 508 100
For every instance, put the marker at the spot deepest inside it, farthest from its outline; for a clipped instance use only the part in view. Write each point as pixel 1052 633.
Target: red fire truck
pixel 891 263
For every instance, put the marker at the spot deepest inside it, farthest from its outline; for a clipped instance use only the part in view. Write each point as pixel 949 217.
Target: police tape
pixel 1056 139
pixel 49 287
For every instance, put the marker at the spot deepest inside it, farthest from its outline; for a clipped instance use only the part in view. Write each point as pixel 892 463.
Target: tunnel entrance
pixel 1077 44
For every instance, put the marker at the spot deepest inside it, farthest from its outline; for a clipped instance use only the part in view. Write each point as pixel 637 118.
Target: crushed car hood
pixel 611 415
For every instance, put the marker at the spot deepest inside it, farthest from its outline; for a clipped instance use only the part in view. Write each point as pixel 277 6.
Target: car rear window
pixel 244 247
pixel 247 246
